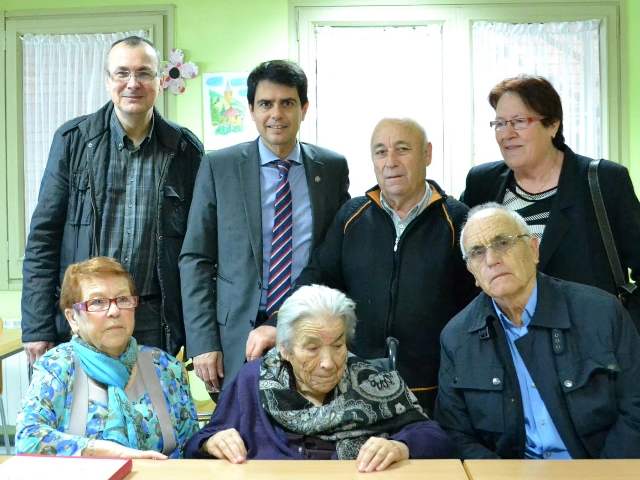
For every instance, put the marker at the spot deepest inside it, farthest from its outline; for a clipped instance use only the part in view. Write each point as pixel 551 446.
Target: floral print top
pixel 43 421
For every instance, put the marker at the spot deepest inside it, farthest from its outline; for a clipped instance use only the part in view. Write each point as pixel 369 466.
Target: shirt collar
pixel 419 207
pixel 267 156
pixel 527 315
pixel 120 135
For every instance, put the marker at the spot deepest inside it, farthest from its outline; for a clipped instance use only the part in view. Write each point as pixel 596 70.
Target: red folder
pixel 38 467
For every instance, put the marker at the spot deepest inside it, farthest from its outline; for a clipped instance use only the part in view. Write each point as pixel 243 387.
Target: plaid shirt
pixel 130 220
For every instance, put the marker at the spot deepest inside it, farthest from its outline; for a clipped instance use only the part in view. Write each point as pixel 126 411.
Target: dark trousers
pixel 148 329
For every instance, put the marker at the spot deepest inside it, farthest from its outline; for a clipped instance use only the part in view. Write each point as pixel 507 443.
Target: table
pixel 10 342
pixel 293 470
pixel 290 470
pixel 552 469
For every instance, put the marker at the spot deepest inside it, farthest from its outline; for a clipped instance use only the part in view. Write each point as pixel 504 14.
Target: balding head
pixel 400 154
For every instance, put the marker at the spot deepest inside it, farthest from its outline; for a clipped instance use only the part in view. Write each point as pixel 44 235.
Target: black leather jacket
pixel 65 226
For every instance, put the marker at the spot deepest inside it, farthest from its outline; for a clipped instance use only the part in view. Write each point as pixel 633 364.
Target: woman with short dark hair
pixel 543 180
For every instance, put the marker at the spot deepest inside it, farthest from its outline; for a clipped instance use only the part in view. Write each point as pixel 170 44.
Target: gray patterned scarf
pixel 365 403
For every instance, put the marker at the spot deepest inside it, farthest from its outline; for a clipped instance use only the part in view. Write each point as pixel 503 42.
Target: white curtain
pixel 367 73
pixel 63 77
pixel 567 54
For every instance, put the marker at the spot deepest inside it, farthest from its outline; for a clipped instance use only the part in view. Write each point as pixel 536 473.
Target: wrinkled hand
pixel 106 448
pixel 209 368
pixel 35 350
pixel 378 453
pixel 226 444
pixel 260 340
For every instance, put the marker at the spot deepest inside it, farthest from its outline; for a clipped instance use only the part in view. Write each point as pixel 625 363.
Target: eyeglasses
pixel 123 76
pixel 516 123
pixel 126 302
pixel 500 246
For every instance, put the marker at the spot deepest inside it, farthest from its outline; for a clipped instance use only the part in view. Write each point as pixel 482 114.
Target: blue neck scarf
pixel 126 426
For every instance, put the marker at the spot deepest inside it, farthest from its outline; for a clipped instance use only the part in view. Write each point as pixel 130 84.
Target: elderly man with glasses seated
pixel 535 367
pixel 102 394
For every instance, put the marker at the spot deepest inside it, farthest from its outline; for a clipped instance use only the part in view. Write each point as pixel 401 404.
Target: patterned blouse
pixel 43 421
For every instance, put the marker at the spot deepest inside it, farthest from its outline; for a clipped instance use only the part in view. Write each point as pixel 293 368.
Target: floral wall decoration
pixel 174 71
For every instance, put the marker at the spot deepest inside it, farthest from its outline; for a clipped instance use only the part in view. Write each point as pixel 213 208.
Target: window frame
pixel 158 20
pixel 458 95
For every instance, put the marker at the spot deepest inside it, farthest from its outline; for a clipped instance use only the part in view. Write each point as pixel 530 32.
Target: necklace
pixel 551 172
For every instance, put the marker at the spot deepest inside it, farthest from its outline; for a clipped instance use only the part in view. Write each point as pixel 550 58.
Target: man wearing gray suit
pixel 228 261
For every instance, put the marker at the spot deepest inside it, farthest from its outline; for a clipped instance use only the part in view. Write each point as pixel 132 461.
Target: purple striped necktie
pixel 281 242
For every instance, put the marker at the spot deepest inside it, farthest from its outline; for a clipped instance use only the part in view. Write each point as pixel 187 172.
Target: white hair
pixel 519 221
pixel 314 301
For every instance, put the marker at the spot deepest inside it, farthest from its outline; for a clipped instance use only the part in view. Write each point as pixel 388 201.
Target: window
pixel 461 135
pixel 370 79
pixel 156 21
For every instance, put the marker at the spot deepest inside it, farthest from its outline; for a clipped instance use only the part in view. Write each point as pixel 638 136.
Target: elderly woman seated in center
pixel 309 398
pixel 101 394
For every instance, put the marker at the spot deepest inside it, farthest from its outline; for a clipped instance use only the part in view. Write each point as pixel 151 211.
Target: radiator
pixel 14 384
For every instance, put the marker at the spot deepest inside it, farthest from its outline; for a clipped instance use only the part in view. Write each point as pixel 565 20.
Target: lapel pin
pixel 317 179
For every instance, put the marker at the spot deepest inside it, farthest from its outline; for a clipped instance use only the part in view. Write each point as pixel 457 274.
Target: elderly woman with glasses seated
pixel 102 394
pixel 309 398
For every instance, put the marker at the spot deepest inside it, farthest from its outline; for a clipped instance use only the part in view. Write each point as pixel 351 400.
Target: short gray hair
pixel 517 218
pixel 134 41
pixel 314 301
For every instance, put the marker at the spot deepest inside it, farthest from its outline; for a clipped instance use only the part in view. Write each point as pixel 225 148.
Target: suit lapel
pixel 249 175
pixel 314 171
pixel 558 222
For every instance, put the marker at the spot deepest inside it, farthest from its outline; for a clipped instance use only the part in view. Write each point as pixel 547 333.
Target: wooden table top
pixel 10 342
pixel 290 470
pixel 552 469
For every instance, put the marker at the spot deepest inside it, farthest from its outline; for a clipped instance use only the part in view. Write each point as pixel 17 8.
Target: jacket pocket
pixel 222 313
pixel 79 209
pixel 589 387
pixel 482 388
pixel 174 212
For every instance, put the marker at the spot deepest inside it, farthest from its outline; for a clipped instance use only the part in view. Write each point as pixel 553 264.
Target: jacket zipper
pixel 394 279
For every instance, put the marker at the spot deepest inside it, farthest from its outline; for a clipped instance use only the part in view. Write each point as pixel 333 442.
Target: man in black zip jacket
pixel 118 183
pixel 394 251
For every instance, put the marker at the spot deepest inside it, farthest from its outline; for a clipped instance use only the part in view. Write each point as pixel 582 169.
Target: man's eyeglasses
pixel 516 123
pixel 126 302
pixel 123 76
pixel 500 246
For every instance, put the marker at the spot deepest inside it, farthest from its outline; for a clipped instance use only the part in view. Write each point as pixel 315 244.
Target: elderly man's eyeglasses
pixel 123 76
pixel 516 123
pixel 126 302
pixel 500 246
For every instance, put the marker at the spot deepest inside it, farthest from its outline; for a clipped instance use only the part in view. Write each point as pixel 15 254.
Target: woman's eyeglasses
pixel 516 123
pixel 126 302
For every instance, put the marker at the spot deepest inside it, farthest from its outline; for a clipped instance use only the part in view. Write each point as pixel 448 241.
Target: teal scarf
pixel 126 426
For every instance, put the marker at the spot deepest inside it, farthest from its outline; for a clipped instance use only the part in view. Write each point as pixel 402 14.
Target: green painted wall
pixel 235 35
pixel 218 35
